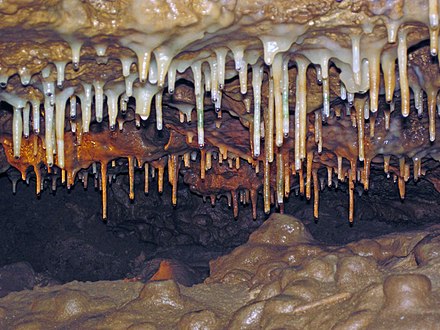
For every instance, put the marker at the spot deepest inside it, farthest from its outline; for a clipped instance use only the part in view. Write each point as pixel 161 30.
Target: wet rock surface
pixel 293 283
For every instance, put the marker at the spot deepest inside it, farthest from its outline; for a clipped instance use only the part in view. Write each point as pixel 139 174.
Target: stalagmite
pixel 403 72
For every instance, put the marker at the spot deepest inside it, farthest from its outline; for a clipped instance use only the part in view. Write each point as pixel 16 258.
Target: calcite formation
pixel 239 97
pixel 282 278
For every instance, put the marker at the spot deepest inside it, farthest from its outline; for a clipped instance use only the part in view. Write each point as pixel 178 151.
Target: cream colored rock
pixel 281 230
pixel 200 320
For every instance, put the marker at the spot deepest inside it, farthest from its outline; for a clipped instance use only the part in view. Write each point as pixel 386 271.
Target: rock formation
pixel 292 282
pixel 240 98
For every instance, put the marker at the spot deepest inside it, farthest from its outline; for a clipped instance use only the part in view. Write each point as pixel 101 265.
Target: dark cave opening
pixel 61 235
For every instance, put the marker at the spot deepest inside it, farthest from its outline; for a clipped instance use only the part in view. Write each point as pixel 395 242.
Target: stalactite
pixel 131 176
pixel 300 112
pixel 175 175
pixel 309 174
pixel 269 124
pixel 403 72
pixel 280 178
pixel 266 186
pixel 315 194
pixel 257 76
pixel 234 203
pixel 104 189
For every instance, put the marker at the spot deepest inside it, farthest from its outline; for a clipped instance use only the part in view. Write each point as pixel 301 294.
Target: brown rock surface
pixel 336 289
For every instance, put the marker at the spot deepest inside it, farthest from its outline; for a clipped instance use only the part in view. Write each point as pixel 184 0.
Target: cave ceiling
pixel 237 98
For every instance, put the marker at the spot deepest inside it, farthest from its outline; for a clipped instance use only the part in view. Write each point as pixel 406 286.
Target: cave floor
pixel 281 278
